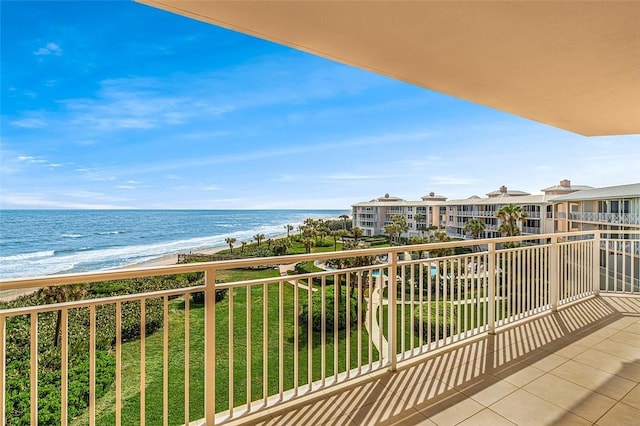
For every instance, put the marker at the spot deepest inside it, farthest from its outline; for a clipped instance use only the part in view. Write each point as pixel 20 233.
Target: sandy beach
pixel 170 259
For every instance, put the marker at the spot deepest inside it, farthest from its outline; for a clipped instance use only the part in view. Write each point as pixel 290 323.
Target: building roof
pixel 432 196
pixel 631 190
pixel 572 65
pixel 503 199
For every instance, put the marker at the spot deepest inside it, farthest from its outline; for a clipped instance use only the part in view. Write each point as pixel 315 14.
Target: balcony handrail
pixel 558 269
pixel 149 271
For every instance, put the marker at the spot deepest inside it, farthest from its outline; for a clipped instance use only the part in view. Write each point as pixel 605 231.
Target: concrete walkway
pixel 284 271
pixel 373 327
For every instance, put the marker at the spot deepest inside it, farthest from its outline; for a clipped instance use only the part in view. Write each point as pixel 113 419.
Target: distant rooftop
pixel 504 191
pixel 565 187
pixel 620 191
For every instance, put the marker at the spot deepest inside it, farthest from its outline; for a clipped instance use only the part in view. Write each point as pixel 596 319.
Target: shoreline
pixel 172 259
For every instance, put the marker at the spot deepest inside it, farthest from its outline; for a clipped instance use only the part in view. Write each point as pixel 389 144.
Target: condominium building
pixel 372 216
pixel 538 208
pixel 544 214
pixel 609 208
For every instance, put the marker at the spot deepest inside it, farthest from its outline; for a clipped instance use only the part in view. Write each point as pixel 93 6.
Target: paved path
pixel 373 327
pixel 284 271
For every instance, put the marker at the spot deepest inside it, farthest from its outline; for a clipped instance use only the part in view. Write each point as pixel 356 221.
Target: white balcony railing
pixel 272 338
pixel 610 218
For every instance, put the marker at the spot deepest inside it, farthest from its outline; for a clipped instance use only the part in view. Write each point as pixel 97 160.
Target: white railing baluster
pixel 392 310
pixel 92 365
pixel 296 339
pixel 491 296
pixel 143 361
pixel 265 344
pixel 210 346
pixel 118 363
pixel 64 369
pixel 249 395
pixel 231 346
pixel 33 373
pixel 281 339
pixel 165 360
pixel 187 357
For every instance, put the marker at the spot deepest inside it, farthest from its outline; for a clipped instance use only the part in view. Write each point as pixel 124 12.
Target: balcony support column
pixel 595 271
pixel 554 274
pixel 210 346
pixel 392 327
pixel 491 297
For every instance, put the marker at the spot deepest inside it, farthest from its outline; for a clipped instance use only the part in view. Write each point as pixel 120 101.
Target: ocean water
pixel 45 242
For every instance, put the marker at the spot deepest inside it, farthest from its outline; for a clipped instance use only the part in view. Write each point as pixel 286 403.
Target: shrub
pixel 18 385
pixel 199 296
pixel 316 311
pixel 434 323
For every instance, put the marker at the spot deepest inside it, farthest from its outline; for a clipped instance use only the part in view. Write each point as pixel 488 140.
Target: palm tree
pixel 289 228
pixel 336 236
pixel 357 233
pixel 510 216
pixel 344 218
pixel 392 231
pixel 308 243
pixel 61 294
pixel 244 243
pixel 258 238
pixel 421 227
pixel 231 241
pixel 475 227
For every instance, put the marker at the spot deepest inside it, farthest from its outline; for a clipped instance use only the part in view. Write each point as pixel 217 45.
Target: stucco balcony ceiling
pixel 572 65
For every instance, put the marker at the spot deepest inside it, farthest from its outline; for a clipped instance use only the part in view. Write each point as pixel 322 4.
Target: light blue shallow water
pixel 45 242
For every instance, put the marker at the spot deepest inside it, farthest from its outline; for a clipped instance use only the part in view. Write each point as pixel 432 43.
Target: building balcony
pixel 544 332
pixel 607 218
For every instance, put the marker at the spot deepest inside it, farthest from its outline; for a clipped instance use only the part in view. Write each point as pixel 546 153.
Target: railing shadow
pixel 430 385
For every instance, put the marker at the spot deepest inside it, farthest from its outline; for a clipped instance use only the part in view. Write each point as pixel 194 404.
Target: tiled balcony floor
pixel 578 366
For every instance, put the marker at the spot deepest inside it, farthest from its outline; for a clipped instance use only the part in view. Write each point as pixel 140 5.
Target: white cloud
pixel 29 123
pixel 49 49
pixel 453 180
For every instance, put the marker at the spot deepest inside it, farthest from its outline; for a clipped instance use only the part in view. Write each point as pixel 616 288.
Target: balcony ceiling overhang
pixel 574 65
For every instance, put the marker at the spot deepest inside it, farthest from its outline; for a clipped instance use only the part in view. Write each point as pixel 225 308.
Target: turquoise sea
pixel 46 242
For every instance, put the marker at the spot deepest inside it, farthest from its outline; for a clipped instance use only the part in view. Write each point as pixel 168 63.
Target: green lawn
pixel 154 355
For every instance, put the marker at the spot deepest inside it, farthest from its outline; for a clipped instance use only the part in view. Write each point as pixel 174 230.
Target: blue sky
pixel 119 105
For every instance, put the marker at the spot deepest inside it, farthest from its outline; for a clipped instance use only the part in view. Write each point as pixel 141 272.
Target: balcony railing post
pixel 210 346
pixel 595 271
pixel 392 311
pixel 554 274
pixel 3 371
pixel 491 297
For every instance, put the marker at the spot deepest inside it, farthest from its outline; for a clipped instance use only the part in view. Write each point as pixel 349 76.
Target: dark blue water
pixel 45 242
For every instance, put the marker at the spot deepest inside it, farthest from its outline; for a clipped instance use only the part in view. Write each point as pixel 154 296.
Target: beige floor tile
pixel 520 377
pixel 610 363
pixel 549 362
pixel 488 390
pixel 571 397
pixel 486 417
pixel 569 351
pixel 454 413
pixel 462 375
pixel 383 411
pixel 599 381
pixel 620 415
pixel 524 408
pixel 633 397
pixel 430 392
pixel 633 328
pixel 627 337
pixel 357 396
pixel 619 349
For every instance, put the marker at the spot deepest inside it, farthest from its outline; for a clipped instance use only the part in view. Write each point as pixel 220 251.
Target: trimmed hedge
pixel 316 311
